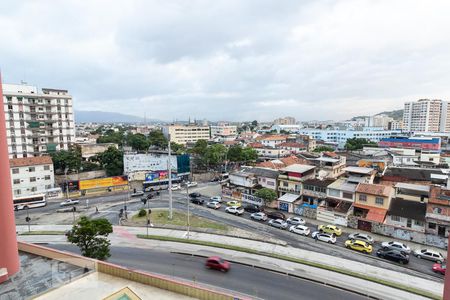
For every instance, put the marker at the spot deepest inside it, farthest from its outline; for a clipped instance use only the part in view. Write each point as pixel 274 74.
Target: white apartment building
pixel 426 115
pixel 183 134
pixel 223 130
pixel 285 121
pixel 37 122
pixel 31 175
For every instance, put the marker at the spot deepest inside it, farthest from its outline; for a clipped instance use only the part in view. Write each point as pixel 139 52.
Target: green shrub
pixel 142 213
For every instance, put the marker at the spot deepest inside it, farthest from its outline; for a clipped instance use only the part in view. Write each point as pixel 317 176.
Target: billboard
pixel 153 162
pixel 103 182
pixel 159 176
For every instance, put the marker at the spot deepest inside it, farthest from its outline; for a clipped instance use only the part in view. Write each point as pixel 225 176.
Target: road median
pixel 395 285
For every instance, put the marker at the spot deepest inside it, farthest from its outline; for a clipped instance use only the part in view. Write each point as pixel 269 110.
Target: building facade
pixel 223 130
pixel 285 121
pixel 182 134
pixel 37 122
pixel 426 115
pixel 31 175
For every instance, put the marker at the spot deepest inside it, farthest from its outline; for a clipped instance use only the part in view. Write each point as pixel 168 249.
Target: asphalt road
pixel 243 279
pixel 417 267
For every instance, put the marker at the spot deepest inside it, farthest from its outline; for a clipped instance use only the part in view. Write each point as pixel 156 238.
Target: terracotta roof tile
pixel 30 161
pixel 374 189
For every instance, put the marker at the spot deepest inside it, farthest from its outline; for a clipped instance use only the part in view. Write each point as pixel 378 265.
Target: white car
pixel 397 246
pixel 176 187
pixel 137 194
pixel 236 210
pixel 213 204
pixel 192 183
pixel 300 229
pixel 296 221
pixel 216 198
pixel 278 223
pixel 259 216
pixel 69 202
pixel 324 237
pixel 362 237
pixel 430 255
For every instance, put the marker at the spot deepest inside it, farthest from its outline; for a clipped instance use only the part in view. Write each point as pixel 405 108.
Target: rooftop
pixel 318 182
pixel 292 145
pixel 359 170
pixel 271 138
pixel 298 168
pixel 413 187
pixel 30 161
pixel 288 198
pixel 263 172
pixel 408 209
pixel 374 189
pixel 343 185
pixel 416 174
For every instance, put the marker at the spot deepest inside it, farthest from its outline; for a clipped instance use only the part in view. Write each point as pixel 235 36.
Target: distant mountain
pixel 395 114
pixel 84 116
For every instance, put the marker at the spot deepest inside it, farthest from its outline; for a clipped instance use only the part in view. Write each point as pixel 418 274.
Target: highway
pixel 416 266
pixel 243 279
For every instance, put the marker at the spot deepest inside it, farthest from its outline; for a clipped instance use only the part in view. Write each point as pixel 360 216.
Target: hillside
pixel 84 116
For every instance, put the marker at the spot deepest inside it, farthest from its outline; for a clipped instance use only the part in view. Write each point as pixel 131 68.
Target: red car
pixel 215 262
pixel 439 268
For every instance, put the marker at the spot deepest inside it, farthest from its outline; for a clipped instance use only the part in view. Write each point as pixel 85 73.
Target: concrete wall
pixel 59 179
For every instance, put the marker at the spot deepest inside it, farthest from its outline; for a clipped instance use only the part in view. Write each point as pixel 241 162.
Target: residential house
pixel 438 212
pixel 290 184
pixel 372 202
pixel 411 174
pixel 271 140
pixel 359 174
pixel 282 162
pixel 408 208
pixel 314 191
pixel 292 147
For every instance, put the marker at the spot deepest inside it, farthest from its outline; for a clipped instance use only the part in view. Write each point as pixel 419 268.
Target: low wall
pixel 60 179
pixel 158 281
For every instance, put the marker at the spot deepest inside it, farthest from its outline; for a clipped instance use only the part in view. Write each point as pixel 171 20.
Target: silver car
pixel 213 204
pixel 278 223
pixel 430 255
pixel 259 216
pixel 296 221
pixel 324 237
pixel 396 245
pixel 237 210
pixel 361 237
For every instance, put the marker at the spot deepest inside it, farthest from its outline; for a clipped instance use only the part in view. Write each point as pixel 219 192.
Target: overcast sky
pixel 230 60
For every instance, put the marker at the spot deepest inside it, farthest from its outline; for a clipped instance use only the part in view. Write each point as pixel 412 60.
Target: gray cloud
pixel 230 60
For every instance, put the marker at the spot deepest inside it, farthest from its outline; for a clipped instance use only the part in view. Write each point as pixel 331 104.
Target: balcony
pixel 289 190
pixel 437 217
pixel 286 177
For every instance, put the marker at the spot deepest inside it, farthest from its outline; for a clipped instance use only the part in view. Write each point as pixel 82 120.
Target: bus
pixel 32 201
pixel 159 185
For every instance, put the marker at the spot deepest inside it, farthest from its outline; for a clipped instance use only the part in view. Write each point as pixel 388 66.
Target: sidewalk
pixel 126 236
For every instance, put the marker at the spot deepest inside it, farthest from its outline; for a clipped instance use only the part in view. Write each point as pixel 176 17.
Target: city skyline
pixel 230 60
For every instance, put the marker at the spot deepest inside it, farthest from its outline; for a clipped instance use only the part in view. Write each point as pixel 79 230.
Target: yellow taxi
pixel 332 229
pixel 359 246
pixel 233 203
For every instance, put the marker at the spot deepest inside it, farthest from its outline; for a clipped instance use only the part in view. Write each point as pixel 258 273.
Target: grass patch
pixel 43 232
pixel 296 260
pixel 161 217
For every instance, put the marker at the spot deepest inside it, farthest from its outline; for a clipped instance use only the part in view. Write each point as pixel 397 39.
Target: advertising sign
pixel 158 176
pixel 252 199
pixel 103 182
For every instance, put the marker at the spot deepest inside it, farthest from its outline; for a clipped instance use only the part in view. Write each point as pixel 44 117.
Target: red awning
pixel 374 213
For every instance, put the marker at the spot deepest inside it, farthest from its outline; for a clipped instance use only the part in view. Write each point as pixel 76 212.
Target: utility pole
pixel 187 201
pixel 169 167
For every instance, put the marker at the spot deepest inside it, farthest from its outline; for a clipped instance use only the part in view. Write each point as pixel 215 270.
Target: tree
pixel 156 138
pixel 249 154
pixel 112 161
pixel 138 142
pixel 110 136
pixel 215 154
pixel 67 159
pixel 90 235
pixel 177 148
pixel 200 147
pixel 323 149
pixel 235 153
pixel 267 194
pixel 358 143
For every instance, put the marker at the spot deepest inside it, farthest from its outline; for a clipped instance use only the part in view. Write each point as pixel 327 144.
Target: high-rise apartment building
pixel 426 115
pixel 37 122
pixel 285 121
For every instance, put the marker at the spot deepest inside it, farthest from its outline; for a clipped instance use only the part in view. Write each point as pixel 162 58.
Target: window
pixel 437 210
pixel 285 184
pixel 34 189
pixel 362 198
pixel 47 177
pixel 15 171
pixel 17 192
pixel 395 218
pixel 31 169
pixel 32 179
pixel 333 192
pixel 16 181
pixel 347 195
pixel 432 225
pixel 418 223
pixel 379 200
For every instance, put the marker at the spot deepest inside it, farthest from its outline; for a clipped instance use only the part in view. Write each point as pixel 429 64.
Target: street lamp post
pixel 187 201
pixel 169 169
